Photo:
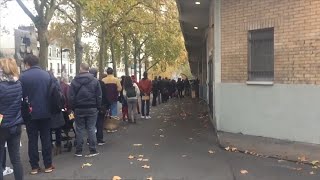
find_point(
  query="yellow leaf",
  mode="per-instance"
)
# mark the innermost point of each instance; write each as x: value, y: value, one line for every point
x: 149, y: 178
x: 145, y: 167
x: 302, y: 158
x: 141, y: 156
x: 314, y: 167
x: 227, y: 148
x: 211, y: 152
x: 116, y: 178
x: 233, y: 149
x: 140, y: 159
x: 131, y: 157
x: 86, y: 165
x: 136, y: 145
x: 244, y: 171
x: 314, y: 162
x: 145, y: 160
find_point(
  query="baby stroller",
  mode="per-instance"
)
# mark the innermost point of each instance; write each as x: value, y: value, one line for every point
x: 67, y: 129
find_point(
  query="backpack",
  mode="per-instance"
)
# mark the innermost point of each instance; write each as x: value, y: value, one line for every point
x: 131, y: 92
x: 55, y: 97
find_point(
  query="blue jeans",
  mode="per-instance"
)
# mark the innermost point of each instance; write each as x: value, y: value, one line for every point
x: 34, y: 128
x: 145, y: 107
x: 13, y: 143
x: 86, y: 122
x: 114, y: 108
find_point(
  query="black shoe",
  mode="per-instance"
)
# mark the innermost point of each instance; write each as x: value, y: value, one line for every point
x: 101, y: 143
x: 78, y: 153
x: 93, y: 153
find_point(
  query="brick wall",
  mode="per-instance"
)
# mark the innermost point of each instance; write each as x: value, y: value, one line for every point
x: 296, y: 38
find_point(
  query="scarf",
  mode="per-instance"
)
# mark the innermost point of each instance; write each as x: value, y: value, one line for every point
x: 7, y: 78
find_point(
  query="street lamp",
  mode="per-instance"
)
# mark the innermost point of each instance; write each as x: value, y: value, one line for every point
x: 61, y: 51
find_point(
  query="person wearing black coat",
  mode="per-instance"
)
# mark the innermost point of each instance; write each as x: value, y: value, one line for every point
x: 85, y: 98
x: 155, y: 91
x: 180, y: 87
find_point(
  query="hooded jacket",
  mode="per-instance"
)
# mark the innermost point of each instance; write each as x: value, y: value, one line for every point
x: 85, y: 92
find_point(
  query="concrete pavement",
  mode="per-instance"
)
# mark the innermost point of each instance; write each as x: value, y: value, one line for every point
x: 176, y: 142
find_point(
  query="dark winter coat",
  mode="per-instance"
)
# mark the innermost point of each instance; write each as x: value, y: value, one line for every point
x: 10, y: 103
x: 85, y: 92
x: 35, y: 83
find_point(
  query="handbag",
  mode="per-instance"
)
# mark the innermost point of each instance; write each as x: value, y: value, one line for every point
x: 145, y: 98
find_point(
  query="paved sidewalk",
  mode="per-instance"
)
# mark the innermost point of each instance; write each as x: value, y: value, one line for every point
x: 176, y: 142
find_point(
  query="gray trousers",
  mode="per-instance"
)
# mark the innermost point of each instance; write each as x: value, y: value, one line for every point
x: 85, y: 123
x: 132, y: 109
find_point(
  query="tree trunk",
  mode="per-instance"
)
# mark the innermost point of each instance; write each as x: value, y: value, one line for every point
x: 43, y: 40
x: 78, y: 35
x: 140, y: 68
x: 126, y: 55
x: 113, y: 57
x: 102, y: 47
x: 135, y: 58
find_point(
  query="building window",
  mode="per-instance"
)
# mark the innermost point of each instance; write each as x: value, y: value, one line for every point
x: 261, y: 55
x: 59, y: 68
x: 50, y: 52
x: 57, y: 50
x: 71, y: 71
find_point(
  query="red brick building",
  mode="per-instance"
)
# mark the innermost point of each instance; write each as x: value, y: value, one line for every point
x: 259, y: 64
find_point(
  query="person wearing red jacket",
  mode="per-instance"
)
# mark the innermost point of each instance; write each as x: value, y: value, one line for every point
x: 145, y: 86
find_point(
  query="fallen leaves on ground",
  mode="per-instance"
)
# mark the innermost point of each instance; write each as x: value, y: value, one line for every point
x: 161, y: 130
x: 211, y: 152
x: 145, y: 160
x: 131, y: 157
x: 86, y: 165
x: 145, y: 167
x: 141, y: 156
x: 244, y: 171
x: 315, y: 162
x: 136, y: 145
x: 116, y: 178
x: 312, y: 173
x: 184, y: 156
x: 315, y: 167
x: 149, y: 178
x: 280, y: 161
x: 162, y: 136
x: 112, y: 131
x: 190, y: 138
x: 156, y: 144
x: 302, y: 158
x: 139, y: 159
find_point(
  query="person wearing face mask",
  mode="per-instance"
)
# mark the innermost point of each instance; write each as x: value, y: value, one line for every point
x: 10, y: 115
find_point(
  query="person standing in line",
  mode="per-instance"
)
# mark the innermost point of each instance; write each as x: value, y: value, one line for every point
x: 180, y: 86
x: 10, y: 116
x: 187, y: 87
x: 155, y: 91
x: 85, y: 98
x: 134, y: 80
x: 160, y: 86
x: 131, y: 93
x: 123, y: 100
x: 102, y: 111
x: 145, y: 89
x: 113, y: 88
x: 35, y: 88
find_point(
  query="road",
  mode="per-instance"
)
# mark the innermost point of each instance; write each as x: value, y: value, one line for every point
x: 176, y: 142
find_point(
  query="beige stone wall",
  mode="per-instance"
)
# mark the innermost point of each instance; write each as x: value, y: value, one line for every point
x: 296, y: 38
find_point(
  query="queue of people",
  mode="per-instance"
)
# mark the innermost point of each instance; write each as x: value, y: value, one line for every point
x: 48, y: 106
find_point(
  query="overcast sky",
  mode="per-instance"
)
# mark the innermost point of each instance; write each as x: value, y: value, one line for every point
x: 12, y: 17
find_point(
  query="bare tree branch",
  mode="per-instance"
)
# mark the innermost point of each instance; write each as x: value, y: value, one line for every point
x: 67, y: 15
x: 26, y: 10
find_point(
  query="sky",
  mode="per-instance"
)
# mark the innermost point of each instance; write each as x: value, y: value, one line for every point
x: 11, y: 18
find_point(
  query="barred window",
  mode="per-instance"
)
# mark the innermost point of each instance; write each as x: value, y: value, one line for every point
x: 261, y: 55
